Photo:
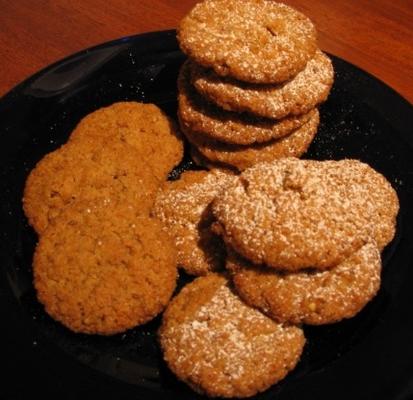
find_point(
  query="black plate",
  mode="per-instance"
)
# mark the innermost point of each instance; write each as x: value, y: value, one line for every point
x: 369, y: 356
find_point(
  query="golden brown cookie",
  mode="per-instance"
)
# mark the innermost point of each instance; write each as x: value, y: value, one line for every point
x: 297, y: 96
x: 258, y: 41
x: 245, y: 156
x: 197, y: 115
x: 154, y: 136
x: 310, y: 297
x: 219, y: 346
x: 104, y: 269
x: 292, y: 214
x: 201, y: 161
x: 83, y: 170
x: 184, y: 208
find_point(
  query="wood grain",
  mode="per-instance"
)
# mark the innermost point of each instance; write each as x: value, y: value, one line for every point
x: 376, y: 35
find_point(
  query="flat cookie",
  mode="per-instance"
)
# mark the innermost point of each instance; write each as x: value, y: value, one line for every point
x: 310, y: 297
x: 144, y: 126
x: 82, y: 170
x: 258, y: 41
x: 306, y: 90
x: 203, y: 162
x: 242, y: 157
x: 102, y: 270
x: 219, y: 346
x: 292, y: 214
x: 184, y: 208
x: 198, y: 115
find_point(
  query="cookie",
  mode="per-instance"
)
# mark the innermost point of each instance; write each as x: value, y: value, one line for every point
x: 219, y: 346
x: 306, y: 90
x: 104, y: 269
x: 154, y: 136
x: 293, y: 214
x: 197, y: 115
x: 258, y: 41
x: 242, y: 157
x: 184, y: 208
x: 310, y: 297
x: 203, y: 162
x: 84, y: 170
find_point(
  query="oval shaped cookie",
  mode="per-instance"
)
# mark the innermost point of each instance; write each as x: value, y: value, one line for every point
x: 197, y: 115
x: 220, y: 346
x: 306, y: 90
x: 293, y: 214
x: 258, y: 41
x: 184, y: 208
x: 83, y: 170
x: 242, y: 157
x: 103, y: 269
x: 310, y: 297
x: 146, y: 127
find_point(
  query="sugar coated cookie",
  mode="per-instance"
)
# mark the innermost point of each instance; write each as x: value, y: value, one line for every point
x: 292, y: 214
x: 258, y: 41
x: 310, y: 297
x: 220, y: 346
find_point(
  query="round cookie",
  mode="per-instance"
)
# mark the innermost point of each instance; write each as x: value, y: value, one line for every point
x: 81, y: 170
x: 293, y: 214
x: 197, y: 115
x: 303, y: 92
x: 154, y: 135
x: 257, y: 41
x: 184, y: 208
x: 103, y: 269
x: 219, y: 346
x: 242, y: 157
x: 310, y: 297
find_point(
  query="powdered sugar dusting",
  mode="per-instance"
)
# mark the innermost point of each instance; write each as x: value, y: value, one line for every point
x: 242, y: 157
x: 183, y: 207
x: 232, y: 344
x: 198, y: 115
x: 255, y: 40
x: 312, y: 297
x: 296, y: 96
x: 295, y: 213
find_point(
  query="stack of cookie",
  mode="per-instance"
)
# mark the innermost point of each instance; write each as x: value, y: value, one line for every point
x: 304, y: 237
x: 249, y: 91
x: 303, y: 241
x: 103, y: 264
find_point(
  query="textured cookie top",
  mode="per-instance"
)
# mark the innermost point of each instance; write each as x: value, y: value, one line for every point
x: 294, y: 214
x: 311, y: 297
x: 184, y: 208
x: 198, y: 115
x: 220, y: 346
x: 104, y: 269
x: 303, y: 92
x: 257, y: 41
x: 83, y: 170
x: 143, y: 126
x: 242, y: 157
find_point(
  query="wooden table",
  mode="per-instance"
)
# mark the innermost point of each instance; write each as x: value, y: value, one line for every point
x: 376, y: 35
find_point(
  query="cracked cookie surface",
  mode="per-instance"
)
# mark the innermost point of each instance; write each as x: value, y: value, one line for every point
x: 310, y: 297
x: 258, y: 41
x: 293, y: 214
x: 184, y: 208
x: 242, y: 157
x: 222, y: 347
x: 198, y: 115
x: 297, y: 96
